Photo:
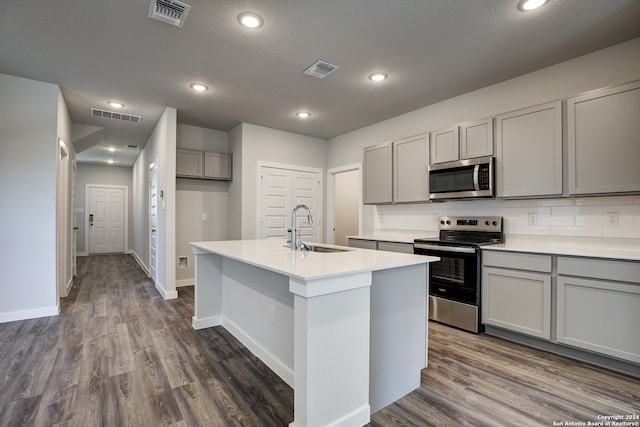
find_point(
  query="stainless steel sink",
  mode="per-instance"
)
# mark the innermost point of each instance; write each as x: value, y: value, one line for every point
x: 326, y: 249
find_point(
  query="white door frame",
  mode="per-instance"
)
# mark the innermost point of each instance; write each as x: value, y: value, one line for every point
x: 331, y: 191
x: 87, y: 208
x: 284, y: 166
x: 153, y: 266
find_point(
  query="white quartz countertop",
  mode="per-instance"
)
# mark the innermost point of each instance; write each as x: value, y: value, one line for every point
x: 621, y: 249
x: 271, y: 254
x: 396, y: 237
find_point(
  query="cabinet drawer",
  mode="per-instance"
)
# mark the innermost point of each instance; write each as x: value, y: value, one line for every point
x: 516, y: 260
x: 624, y: 271
x: 363, y: 244
x: 406, y: 248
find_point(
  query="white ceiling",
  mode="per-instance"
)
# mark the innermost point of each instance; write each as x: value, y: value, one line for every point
x: 432, y: 50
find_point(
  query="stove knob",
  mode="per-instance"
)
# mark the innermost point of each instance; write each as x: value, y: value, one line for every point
x: 448, y: 222
x: 487, y: 223
x: 495, y: 223
x: 442, y: 222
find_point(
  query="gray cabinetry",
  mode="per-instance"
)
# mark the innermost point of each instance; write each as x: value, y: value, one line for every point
x: 363, y: 243
x: 476, y: 139
x: 444, y: 145
x: 529, y: 152
x: 378, y: 164
x: 599, y: 306
x: 410, y: 161
x: 516, y: 292
x: 188, y: 163
x: 203, y: 165
x: 603, y: 134
x: 397, y: 171
x: 381, y: 245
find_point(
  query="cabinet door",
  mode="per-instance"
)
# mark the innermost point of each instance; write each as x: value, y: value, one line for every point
x: 603, y: 132
x: 405, y: 248
x: 377, y: 174
x: 518, y: 301
x: 600, y: 316
x: 188, y: 163
x: 217, y: 166
x: 363, y: 244
x: 410, y: 166
x: 476, y: 139
x: 444, y: 145
x: 529, y: 152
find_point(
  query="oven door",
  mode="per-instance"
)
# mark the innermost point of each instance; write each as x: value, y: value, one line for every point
x: 455, y: 276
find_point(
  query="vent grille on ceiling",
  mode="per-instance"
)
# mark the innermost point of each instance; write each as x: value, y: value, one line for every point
x: 320, y: 69
x: 96, y: 112
x: 133, y: 147
x: 170, y: 11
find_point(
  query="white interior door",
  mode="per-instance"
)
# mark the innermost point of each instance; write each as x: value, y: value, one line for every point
x: 74, y: 223
x: 153, y: 222
x: 280, y: 191
x: 106, y: 220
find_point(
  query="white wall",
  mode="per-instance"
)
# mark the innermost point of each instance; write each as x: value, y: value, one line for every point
x: 28, y: 140
x: 103, y: 175
x: 258, y: 143
x: 160, y: 148
x: 196, y: 196
x: 607, y: 67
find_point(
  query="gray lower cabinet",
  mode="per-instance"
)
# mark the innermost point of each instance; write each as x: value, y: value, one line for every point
x: 381, y: 245
x: 529, y: 152
x: 516, y: 292
x: 602, y: 132
x: 363, y: 243
x: 599, y: 306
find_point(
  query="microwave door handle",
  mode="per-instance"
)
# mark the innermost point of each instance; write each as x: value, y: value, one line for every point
x: 476, y: 176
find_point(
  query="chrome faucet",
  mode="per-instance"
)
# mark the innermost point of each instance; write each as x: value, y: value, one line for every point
x: 295, y: 242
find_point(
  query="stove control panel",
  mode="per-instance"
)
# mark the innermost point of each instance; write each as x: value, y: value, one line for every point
x: 472, y: 223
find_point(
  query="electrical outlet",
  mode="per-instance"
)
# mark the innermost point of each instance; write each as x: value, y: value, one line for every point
x: 533, y: 218
x: 204, y: 216
x: 273, y: 314
x: 612, y: 219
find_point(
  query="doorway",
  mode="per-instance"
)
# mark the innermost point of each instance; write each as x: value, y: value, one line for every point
x: 344, y: 203
x: 107, y: 221
x: 153, y: 222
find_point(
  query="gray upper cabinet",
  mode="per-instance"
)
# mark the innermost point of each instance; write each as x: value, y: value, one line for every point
x: 410, y: 161
x: 203, y: 165
x: 465, y: 141
x: 378, y: 166
x: 529, y: 152
x: 476, y: 139
x: 188, y: 163
x: 444, y: 145
x: 603, y: 141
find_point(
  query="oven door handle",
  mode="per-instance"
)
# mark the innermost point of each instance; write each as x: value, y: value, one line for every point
x: 460, y: 250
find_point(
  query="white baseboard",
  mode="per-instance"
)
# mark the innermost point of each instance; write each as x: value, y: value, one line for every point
x: 185, y: 282
x: 165, y: 293
x: 140, y: 263
x: 29, y: 314
x: 278, y: 366
x: 206, y: 322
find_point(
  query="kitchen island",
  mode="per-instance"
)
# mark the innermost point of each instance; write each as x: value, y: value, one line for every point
x: 347, y: 330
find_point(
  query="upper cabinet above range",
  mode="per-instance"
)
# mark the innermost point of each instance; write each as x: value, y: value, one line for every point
x: 603, y: 133
x: 465, y: 141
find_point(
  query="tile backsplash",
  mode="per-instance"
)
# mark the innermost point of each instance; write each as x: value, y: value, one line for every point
x: 612, y: 216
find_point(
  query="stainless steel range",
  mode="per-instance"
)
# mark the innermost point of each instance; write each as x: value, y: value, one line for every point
x: 454, y: 281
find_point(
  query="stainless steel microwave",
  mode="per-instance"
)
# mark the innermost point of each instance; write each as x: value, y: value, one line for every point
x: 462, y: 179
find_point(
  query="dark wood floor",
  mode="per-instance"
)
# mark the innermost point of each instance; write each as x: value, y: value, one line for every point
x: 118, y: 354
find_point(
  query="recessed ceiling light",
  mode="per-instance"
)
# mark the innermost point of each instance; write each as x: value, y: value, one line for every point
x: 111, y: 149
x: 527, y: 5
x: 250, y: 20
x: 199, y: 87
x: 116, y: 104
x: 378, y: 77
x: 303, y: 114
x: 110, y: 161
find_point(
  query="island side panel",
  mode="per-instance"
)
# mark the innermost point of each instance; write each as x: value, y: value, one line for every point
x: 331, y: 339
x: 208, y: 290
x: 258, y: 311
x: 398, y: 333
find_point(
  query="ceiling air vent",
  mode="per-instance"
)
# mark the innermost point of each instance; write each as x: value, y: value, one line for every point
x: 320, y: 69
x: 96, y: 112
x: 170, y: 11
x: 133, y: 147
